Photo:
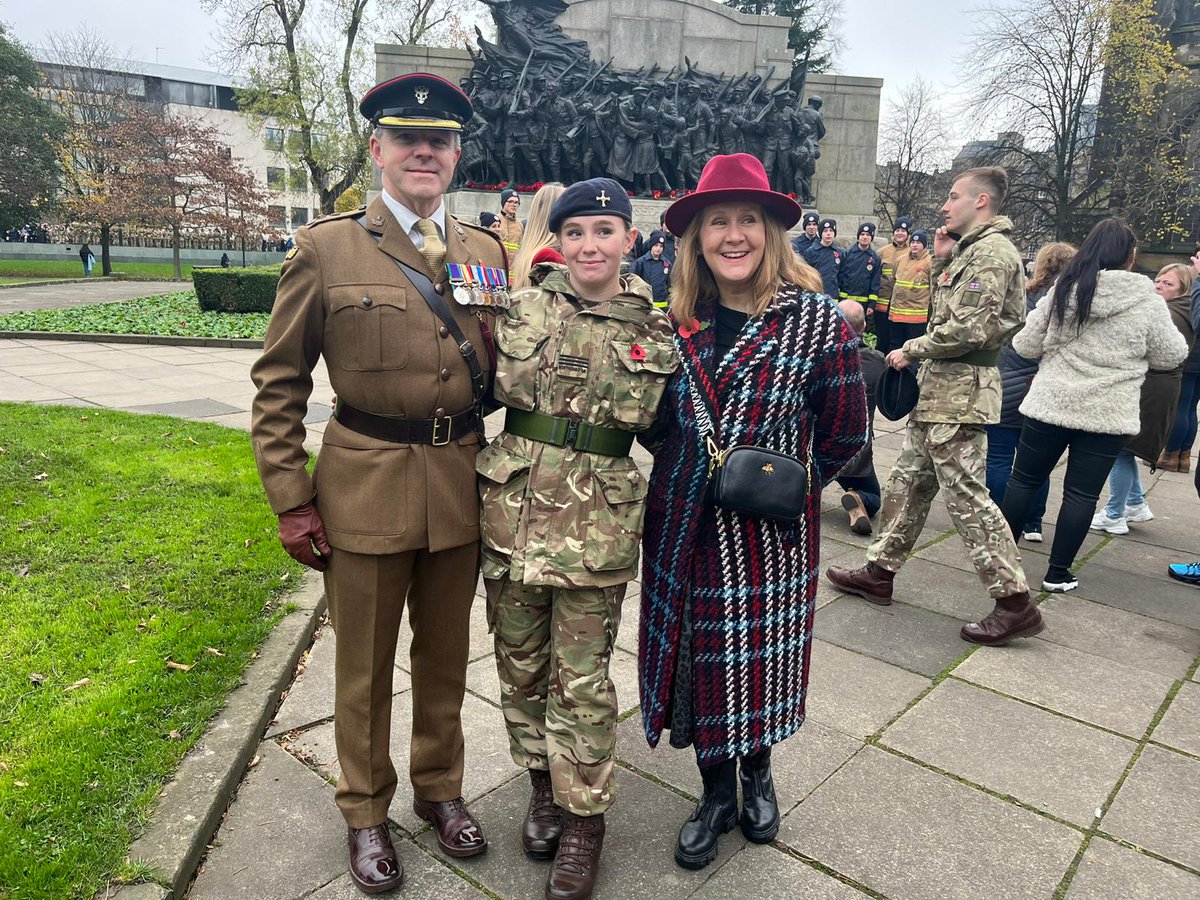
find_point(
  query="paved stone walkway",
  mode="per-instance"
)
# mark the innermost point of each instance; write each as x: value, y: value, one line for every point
x: 60, y: 296
x: 1067, y: 765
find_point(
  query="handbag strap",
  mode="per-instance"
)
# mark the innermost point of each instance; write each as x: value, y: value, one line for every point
x: 437, y: 305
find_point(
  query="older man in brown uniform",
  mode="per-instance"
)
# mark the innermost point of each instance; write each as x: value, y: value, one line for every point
x: 391, y: 507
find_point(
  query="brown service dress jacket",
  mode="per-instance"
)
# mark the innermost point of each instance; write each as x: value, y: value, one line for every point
x: 342, y: 296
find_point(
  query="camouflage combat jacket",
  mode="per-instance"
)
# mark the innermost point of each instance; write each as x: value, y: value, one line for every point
x: 978, y: 304
x: 556, y: 515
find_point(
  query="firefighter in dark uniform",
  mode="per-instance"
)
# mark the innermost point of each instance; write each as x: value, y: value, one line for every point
x: 812, y: 234
x: 826, y: 257
x: 858, y: 277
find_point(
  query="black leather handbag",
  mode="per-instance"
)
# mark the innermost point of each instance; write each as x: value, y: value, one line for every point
x: 759, y: 482
x: 753, y: 481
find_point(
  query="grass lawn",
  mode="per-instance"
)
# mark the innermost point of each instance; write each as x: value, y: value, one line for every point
x: 71, y: 267
x: 129, y: 543
x: 177, y: 313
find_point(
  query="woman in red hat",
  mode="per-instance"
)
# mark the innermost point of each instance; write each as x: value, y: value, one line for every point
x: 728, y: 597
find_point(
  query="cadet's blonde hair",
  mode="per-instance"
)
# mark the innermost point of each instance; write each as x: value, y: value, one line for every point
x: 537, y: 234
x: 692, y: 281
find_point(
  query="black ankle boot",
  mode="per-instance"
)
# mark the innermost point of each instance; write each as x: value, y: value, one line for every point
x: 760, y: 811
x: 715, y: 815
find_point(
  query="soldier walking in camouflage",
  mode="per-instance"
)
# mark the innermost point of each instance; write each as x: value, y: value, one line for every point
x: 978, y: 304
x: 582, y: 362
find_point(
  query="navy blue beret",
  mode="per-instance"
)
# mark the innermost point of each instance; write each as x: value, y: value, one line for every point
x: 811, y: 219
x: 594, y: 197
x: 903, y: 222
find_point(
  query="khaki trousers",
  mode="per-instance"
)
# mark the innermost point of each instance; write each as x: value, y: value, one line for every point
x: 367, y: 595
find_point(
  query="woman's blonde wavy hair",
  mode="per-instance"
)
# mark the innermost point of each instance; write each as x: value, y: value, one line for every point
x: 537, y: 234
x: 692, y: 281
x: 1186, y: 275
x: 1048, y: 265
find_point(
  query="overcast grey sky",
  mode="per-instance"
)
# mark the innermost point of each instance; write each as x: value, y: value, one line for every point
x: 885, y: 40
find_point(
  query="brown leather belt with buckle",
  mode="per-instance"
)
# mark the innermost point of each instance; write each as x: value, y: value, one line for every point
x: 438, y: 431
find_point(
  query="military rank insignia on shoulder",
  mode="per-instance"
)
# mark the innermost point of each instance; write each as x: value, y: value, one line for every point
x: 333, y: 217
x: 292, y: 252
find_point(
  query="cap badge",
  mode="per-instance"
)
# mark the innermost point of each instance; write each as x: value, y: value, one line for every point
x: 603, y: 199
x: 421, y: 93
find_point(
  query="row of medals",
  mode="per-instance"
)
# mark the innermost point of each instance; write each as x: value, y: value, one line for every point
x: 470, y: 288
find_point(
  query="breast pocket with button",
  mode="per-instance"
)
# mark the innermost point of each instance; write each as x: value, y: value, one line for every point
x: 634, y: 378
x: 366, y: 330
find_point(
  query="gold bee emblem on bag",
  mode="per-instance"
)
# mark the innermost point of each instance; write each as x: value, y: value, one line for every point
x: 769, y: 469
x: 422, y: 94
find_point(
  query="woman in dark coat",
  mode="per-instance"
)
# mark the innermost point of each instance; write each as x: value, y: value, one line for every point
x: 728, y: 599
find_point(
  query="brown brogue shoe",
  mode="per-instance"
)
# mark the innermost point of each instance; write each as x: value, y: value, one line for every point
x: 543, y: 823
x: 860, y: 522
x: 374, y: 866
x: 577, y: 863
x: 1014, y: 616
x: 458, y: 832
x: 871, y: 582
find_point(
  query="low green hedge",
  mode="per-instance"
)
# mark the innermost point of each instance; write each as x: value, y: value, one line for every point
x: 249, y: 289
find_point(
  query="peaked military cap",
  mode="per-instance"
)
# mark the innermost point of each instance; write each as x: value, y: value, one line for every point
x: 868, y: 228
x: 594, y: 197
x: 829, y: 223
x: 811, y: 219
x: 903, y: 222
x: 416, y: 101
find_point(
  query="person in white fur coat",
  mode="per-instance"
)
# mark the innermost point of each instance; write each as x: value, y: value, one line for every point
x: 1096, y: 333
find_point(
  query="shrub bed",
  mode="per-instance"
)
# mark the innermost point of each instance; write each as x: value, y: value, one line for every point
x: 235, y: 289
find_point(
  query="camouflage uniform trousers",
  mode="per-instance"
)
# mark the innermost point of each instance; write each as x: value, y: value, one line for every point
x: 954, y: 458
x: 553, y: 647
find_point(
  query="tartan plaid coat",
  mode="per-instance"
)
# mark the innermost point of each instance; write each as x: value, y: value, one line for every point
x: 792, y: 378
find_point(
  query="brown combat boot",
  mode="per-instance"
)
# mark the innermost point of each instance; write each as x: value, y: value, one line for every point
x: 577, y: 862
x: 873, y: 583
x: 1185, y: 462
x: 543, y: 822
x: 1168, y: 461
x: 1014, y: 616
x: 860, y: 522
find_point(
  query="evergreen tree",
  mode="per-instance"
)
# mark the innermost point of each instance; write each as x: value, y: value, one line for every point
x: 30, y: 167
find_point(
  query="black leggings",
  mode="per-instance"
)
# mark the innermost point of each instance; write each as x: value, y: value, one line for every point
x: 1089, y: 460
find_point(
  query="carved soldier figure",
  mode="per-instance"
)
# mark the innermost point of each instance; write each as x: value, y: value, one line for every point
x: 559, y: 116
x: 729, y: 132
x: 699, y: 138
x: 777, y: 150
x: 670, y: 135
x: 522, y: 137
x: 810, y: 128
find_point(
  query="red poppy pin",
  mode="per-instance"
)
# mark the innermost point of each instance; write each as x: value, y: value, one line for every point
x: 692, y: 327
x: 636, y: 353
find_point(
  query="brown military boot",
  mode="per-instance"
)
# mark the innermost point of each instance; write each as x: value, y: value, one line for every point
x: 374, y: 865
x: 1185, y: 462
x: 873, y: 583
x: 543, y: 822
x: 860, y: 522
x: 1168, y: 461
x: 577, y: 862
x: 1014, y: 616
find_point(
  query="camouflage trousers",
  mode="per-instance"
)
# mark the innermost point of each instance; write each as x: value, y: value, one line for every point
x: 953, y: 458
x: 553, y: 647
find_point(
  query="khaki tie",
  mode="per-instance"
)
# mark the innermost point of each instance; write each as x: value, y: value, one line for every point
x: 433, y: 249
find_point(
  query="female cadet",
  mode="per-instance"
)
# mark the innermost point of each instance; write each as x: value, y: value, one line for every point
x: 582, y: 362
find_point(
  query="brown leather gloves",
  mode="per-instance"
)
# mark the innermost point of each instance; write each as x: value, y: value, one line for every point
x: 300, y: 529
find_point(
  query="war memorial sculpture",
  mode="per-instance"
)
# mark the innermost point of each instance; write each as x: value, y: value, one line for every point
x: 545, y: 110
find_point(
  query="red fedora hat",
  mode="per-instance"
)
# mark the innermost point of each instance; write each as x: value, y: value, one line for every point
x: 725, y: 179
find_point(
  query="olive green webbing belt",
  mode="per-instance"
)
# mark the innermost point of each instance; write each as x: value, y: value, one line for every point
x: 563, y: 432
x: 977, y: 358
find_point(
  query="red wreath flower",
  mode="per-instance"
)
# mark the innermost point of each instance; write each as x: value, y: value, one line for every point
x: 657, y: 195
